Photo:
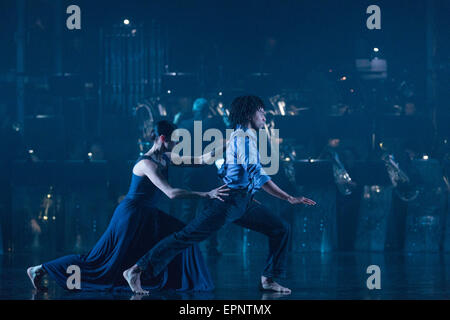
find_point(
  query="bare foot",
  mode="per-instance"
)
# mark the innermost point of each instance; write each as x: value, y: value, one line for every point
x: 268, y: 284
x: 136, y: 296
x: 133, y: 277
x: 274, y: 295
x: 36, y: 274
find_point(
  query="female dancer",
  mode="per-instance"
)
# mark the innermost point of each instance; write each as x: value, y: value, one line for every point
x: 136, y: 226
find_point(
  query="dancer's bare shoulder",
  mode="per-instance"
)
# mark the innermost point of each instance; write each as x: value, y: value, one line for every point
x: 143, y: 167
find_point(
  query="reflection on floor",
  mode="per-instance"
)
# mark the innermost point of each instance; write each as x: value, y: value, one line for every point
x: 310, y: 276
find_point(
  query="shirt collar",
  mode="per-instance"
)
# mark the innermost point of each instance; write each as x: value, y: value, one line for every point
x: 251, y: 133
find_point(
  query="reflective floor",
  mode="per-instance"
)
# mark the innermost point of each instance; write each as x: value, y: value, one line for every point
x: 310, y: 276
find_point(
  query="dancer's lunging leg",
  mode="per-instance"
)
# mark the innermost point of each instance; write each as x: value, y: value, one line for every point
x: 260, y: 219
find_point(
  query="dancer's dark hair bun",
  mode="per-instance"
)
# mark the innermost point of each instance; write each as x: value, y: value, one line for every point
x: 164, y: 128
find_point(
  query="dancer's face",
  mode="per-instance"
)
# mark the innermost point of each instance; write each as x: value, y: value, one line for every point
x: 168, y: 145
x: 259, y: 119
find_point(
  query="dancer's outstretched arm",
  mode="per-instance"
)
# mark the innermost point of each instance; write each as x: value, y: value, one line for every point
x: 150, y: 169
x: 246, y: 150
x: 204, y: 159
x: 271, y: 188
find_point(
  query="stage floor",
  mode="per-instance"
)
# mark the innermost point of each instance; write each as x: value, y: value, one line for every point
x: 310, y: 276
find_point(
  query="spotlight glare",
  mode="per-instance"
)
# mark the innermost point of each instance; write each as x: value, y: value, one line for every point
x: 376, y: 49
x: 126, y: 22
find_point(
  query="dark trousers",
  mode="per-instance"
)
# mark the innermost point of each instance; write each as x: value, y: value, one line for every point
x: 238, y: 208
x: 189, y: 209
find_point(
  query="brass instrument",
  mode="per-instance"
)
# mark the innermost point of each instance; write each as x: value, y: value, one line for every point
x: 342, y: 179
x: 222, y: 111
x: 287, y: 103
x: 146, y: 124
x: 400, y: 180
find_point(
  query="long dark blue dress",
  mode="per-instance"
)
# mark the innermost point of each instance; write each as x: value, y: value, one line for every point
x: 136, y: 226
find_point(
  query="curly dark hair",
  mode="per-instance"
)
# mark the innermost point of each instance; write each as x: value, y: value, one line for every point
x: 243, y: 108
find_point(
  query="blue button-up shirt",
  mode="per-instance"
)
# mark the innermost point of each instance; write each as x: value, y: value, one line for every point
x: 242, y: 168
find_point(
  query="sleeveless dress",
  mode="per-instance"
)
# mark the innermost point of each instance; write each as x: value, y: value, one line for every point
x: 136, y: 226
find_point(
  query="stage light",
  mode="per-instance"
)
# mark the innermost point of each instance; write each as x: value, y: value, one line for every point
x: 343, y: 78
x: 425, y: 157
x: 90, y: 155
x: 169, y: 92
x: 126, y: 22
x: 220, y: 93
x: 376, y: 49
x: 31, y: 151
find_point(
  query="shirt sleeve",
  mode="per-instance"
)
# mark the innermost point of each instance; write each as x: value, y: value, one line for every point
x: 248, y: 155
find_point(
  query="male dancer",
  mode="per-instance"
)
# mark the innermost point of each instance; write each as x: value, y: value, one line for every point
x: 244, y: 176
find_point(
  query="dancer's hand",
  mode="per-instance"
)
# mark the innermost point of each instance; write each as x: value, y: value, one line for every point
x: 218, y: 193
x: 298, y: 200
